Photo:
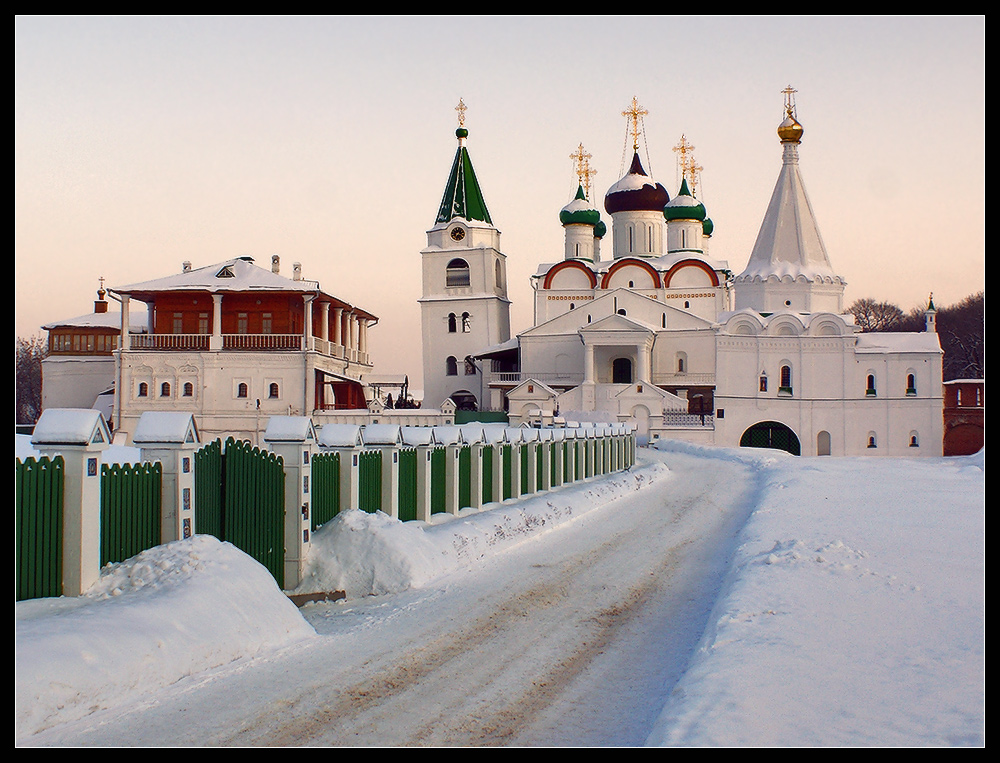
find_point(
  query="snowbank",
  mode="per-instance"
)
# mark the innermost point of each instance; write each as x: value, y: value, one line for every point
x: 372, y: 554
x: 853, y: 613
x: 172, y: 611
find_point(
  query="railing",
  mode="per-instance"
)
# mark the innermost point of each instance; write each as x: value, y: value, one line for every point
x: 661, y: 378
x: 688, y: 420
x: 262, y: 342
x: 516, y: 377
x: 196, y: 342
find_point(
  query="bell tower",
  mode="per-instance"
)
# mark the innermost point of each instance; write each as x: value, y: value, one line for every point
x: 464, y: 308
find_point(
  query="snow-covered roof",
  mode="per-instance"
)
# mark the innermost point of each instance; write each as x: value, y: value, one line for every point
x: 382, y: 434
x: 165, y: 427
x: 289, y: 429
x: 898, y: 341
x: 99, y: 320
x: 340, y: 436
x: 71, y: 426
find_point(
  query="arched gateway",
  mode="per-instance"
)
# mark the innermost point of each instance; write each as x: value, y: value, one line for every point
x: 771, y: 434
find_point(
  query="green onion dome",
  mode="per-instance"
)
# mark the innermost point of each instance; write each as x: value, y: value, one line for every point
x: 579, y: 211
x: 707, y: 226
x: 636, y: 192
x: 684, y: 206
x: 600, y: 230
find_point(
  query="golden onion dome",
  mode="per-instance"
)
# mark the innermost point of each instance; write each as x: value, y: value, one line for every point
x: 790, y: 131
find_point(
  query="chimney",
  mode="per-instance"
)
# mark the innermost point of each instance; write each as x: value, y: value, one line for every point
x: 274, y: 263
x: 296, y: 271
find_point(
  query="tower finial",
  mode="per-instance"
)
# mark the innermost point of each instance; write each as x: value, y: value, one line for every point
x: 790, y: 101
x: 635, y: 113
x: 461, y: 108
x: 584, y: 173
x: 689, y: 169
x: 790, y: 131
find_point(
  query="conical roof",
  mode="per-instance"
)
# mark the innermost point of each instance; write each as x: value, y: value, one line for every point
x: 462, y: 195
x: 636, y: 192
x: 789, y: 241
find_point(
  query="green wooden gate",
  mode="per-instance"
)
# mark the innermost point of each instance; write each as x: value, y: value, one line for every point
x: 131, y: 509
x: 325, y: 488
x: 38, y: 527
x: 240, y: 498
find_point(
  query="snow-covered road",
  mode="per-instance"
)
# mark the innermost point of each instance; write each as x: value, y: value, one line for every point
x: 574, y: 637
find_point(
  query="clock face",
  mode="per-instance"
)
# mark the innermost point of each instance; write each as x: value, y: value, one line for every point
x: 457, y: 234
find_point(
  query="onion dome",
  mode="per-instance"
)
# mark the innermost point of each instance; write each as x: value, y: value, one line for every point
x: 790, y: 131
x: 579, y: 211
x: 707, y: 227
x: 636, y: 192
x: 684, y: 206
x: 600, y: 230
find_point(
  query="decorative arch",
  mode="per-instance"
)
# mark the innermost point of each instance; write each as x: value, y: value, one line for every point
x: 567, y: 264
x: 668, y: 276
x: 771, y: 434
x: 631, y: 261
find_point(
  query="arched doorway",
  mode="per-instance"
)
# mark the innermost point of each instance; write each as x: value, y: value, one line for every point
x: 771, y: 434
x: 464, y: 401
x: 621, y: 371
x: 823, y: 443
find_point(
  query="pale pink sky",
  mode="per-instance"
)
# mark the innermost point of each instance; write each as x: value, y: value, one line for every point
x: 144, y: 142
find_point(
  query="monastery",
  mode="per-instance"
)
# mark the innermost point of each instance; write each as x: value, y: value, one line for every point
x: 662, y: 334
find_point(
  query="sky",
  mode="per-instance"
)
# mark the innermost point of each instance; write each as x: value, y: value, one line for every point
x: 809, y: 619
x: 144, y: 142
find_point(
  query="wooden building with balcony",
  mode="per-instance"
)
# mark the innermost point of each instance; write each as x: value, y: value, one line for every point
x: 235, y: 343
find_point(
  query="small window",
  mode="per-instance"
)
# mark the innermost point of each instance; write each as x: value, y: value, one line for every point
x: 466, y: 323
x: 272, y: 390
x: 870, y: 385
x: 203, y: 323
x: 911, y: 384
x: 914, y: 442
x: 498, y: 273
x: 178, y: 323
x: 470, y: 368
x: 451, y: 366
x: 452, y: 323
x: 165, y: 389
x: 871, y: 441
x: 242, y: 390
x: 762, y: 386
x: 265, y: 323
x: 242, y: 323
x: 188, y: 389
x: 786, y: 380
x: 143, y: 389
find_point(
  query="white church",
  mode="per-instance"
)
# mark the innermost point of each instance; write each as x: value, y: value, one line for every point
x: 664, y: 335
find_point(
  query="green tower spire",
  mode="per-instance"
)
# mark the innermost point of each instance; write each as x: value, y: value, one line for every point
x: 462, y: 195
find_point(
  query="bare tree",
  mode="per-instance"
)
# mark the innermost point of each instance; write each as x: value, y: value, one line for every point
x: 28, y: 354
x: 871, y: 315
x: 963, y: 337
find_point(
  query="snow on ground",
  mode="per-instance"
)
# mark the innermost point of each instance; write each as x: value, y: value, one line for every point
x: 853, y: 612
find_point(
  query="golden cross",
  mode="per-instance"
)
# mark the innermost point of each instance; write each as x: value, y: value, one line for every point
x: 789, y: 101
x: 461, y: 112
x: 635, y: 113
x: 581, y: 161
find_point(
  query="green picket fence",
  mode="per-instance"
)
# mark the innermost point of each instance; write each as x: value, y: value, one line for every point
x: 370, y: 481
x: 38, y: 527
x: 438, y: 480
x: 325, y: 488
x: 131, y: 503
x: 488, y: 451
x: 407, y: 484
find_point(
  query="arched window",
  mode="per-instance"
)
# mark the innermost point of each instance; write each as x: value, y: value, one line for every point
x: 451, y: 366
x: 786, y: 379
x: 452, y: 323
x: 457, y: 273
x: 470, y: 367
x: 870, y: 386
x: 466, y: 323
x: 681, y: 362
x: 621, y: 371
x: 188, y: 389
x: 621, y: 311
x: 914, y: 440
x: 165, y: 389
x: 498, y: 274
x: 143, y: 389
x: 272, y: 390
x: 911, y: 384
x: 871, y: 440
x: 242, y: 390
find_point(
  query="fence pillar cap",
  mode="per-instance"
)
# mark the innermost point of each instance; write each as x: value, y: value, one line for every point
x: 341, y: 436
x: 72, y: 426
x: 297, y: 429
x: 166, y: 428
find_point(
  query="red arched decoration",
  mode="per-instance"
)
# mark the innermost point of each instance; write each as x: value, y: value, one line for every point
x: 689, y: 263
x: 630, y: 261
x: 547, y: 283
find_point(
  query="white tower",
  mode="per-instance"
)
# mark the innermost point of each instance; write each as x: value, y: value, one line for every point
x: 789, y: 268
x: 464, y: 308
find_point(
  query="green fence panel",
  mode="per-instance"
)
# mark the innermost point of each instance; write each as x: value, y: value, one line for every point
x: 325, y: 488
x: 438, y: 480
x: 407, y: 484
x: 524, y: 469
x: 38, y: 527
x: 208, y: 490
x: 554, y: 480
x: 370, y: 481
x: 131, y: 503
x: 508, y: 469
x: 465, y: 476
x: 488, y: 473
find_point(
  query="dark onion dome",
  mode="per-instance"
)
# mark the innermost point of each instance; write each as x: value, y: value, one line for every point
x: 636, y: 192
x: 707, y: 226
x: 684, y: 206
x: 600, y: 230
x: 579, y: 211
x: 790, y: 131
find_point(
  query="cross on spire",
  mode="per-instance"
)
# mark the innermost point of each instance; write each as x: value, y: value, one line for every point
x: 584, y: 173
x: 635, y: 113
x: 461, y: 108
x: 789, y: 93
x: 686, y: 164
